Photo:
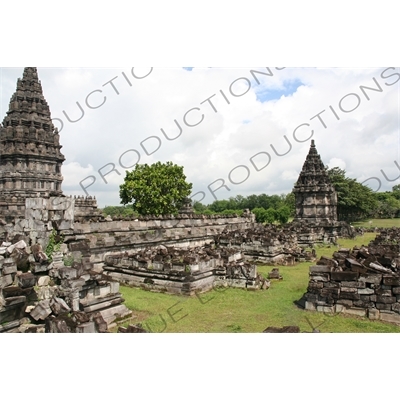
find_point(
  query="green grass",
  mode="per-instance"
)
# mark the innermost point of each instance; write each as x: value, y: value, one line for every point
x: 242, y: 311
x: 378, y: 223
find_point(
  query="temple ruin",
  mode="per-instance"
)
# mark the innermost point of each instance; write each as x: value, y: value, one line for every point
x: 316, y: 199
x: 73, y: 291
x: 316, y: 203
x: 31, y: 158
x: 76, y: 289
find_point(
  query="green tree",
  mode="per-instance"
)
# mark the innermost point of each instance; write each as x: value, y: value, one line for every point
x: 283, y: 214
x: 355, y: 201
x: 290, y: 201
x: 219, y: 205
x: 260, y: 214
x: 199, y: 208
x: 396, y: 192
x: 270, y: 216
x: 118, y: 211
x: 156, y: 189
x: 388, y: 205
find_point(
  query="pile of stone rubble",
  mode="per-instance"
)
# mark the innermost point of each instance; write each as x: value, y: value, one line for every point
x: 364, y: 281
x: 42, y: 295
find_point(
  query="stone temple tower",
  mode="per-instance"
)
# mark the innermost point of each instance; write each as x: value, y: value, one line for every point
x: 30, y: 156
x: 316, y: 199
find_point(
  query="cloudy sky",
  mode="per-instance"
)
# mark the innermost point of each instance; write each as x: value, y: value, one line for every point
x: 236, y: 131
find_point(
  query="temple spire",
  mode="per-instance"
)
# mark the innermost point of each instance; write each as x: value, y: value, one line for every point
x: 30, y: 156
x: 316, y: 199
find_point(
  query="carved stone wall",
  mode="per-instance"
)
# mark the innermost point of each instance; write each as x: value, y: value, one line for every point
x: 30, y: 156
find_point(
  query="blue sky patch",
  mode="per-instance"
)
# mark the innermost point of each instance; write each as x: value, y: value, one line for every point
x: 266, y: 94
x: 188, y: 68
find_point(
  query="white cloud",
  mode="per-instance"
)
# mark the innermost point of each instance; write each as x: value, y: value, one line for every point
x: 337, y: 162
x: 232, y: 129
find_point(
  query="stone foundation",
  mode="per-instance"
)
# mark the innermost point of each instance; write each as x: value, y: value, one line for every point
x: 182, y: 271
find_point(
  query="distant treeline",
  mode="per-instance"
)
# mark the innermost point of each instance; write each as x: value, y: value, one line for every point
x: 267, y: 208
x: 355, y: 202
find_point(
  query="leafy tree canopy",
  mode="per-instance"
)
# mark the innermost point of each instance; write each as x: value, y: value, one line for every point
x: 355, y: 201
x: 157, y: 189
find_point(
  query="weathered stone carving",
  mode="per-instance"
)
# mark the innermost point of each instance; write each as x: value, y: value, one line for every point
x: 30, y: 152
x: 316, y: 199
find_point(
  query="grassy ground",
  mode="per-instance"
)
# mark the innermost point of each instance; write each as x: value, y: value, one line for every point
x: 237, y: 310
x: 378, y: 223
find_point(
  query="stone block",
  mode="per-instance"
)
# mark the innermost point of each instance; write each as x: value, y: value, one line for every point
x: 41, y: 311
x: 114, y: 287
x: 9, y: 269
x: 330, y: 292
x: 67, y: 273
x: 382, y: 306
x: 348, y: 290
x: 37, y: 203
x: 396, y: 307
x: 100, y: 323
x: 340, y: 308
x: 12, y: 301
x: 332, y: 284
x: 386, y: 300
x: 345, y: 302
x: 65, y: 225
x: 311, y: 297
x: 365, y: 298
x: 59, y: 306
x: 396, y: 290
x: 383, y: 292
x: 372, y: 278
x: 373, y: 314
x: 57, y: 325
x: 353, y: 284
x: 366, y: 291
x: 38, y: 268
x: 359, y: 312
x: 76, y: 283
x: 391, y: 280
x: 100, y: 304
x: 349, y: 296
x: 317, y: 269
x: 310, y: 306
x: 320, y: 278
x: 313, y: 287
x: 26, y: 280
x: 5, y: 281
x: 88, y: 327
x: 344, y: 276
x: 390, y: 317
x: 327, y: 261
x: 45, y: 292
x: 43, y: 281
x: 111, y: 314
x: 326, y: 309
x: 5, y: 327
